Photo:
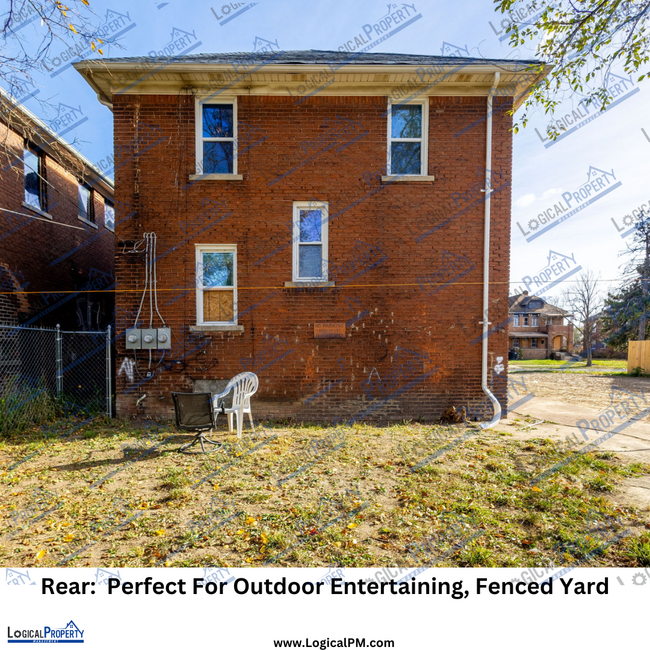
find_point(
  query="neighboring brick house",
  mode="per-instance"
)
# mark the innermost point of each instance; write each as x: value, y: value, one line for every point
x: 538, y: 328
x: 320, y: 221
x: 56, y: 228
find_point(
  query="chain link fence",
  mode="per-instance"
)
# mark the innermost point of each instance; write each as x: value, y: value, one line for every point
x: 45, y: 372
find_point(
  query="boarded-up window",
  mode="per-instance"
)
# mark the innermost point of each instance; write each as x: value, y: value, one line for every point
x: 216, y: 281
x: 217, y: 306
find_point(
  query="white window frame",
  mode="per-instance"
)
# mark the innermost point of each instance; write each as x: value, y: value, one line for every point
x: 516, y: 320
x: 214, y: 248
x: 526, y: 317
x: 424, y: 140
x: 534, y: 320
x: 310, y: 205
x: 112, y: 205
x: 200, y: 139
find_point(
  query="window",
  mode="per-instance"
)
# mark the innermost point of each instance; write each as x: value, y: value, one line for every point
x: 533, y: 343
x: 216, y: 283
x: 109, y: 215
x: 34, y: 179
x: 516, y: 320
x: 310, y: 241
x: 407, y: 138
x: 86, y: 203
x: 525, y: 320
x: 215, y: 137
x: 534, y: 320
x: 515, y: 343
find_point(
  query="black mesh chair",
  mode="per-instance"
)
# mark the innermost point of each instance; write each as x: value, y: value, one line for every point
x: 194, y: 412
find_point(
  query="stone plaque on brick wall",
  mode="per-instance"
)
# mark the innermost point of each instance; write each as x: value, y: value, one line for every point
x: 329, y: 330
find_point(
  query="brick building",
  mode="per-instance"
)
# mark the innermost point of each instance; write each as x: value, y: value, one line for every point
x: 56, y: 228
x: 320, y: 220
x: 538, y: 328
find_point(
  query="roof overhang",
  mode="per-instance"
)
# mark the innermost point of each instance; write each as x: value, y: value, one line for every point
x: 401, y: 82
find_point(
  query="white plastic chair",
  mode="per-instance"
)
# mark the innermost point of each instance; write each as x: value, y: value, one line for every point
x: 243, y: 386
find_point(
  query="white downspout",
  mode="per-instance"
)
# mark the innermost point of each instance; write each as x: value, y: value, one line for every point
x: 486, y: 262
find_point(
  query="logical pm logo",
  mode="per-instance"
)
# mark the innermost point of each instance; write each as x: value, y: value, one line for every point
x: 520, y: 16
x: 558, y: 268
x: 67, y: 118
x: 627, y: 225
x: 454, y: 50
x: 262, y: 45
x: 599, y: 183
x: 68, y: 634
x: 231, y: 10
x: 15, y: 578
x: 618, y: 89
x: 114, y: 26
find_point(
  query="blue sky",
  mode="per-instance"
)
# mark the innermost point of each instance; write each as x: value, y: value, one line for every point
x: 613, y: 142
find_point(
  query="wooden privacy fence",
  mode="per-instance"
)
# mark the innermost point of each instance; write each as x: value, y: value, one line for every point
x: 638, y: 356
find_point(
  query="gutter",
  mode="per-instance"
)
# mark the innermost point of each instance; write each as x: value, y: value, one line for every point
x: 486, y: 262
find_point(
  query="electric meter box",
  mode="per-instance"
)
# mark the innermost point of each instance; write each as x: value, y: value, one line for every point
x: 149, y: 339
x: 164, y: 338
x: 133, y: 340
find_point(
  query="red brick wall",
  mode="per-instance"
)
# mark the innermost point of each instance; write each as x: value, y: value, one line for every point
x: 401, y: 315
x: 30, y: 247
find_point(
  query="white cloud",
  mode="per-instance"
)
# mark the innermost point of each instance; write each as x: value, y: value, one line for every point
x: 525, y: 200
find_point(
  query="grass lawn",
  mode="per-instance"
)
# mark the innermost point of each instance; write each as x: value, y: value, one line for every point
x: 370, y: 498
